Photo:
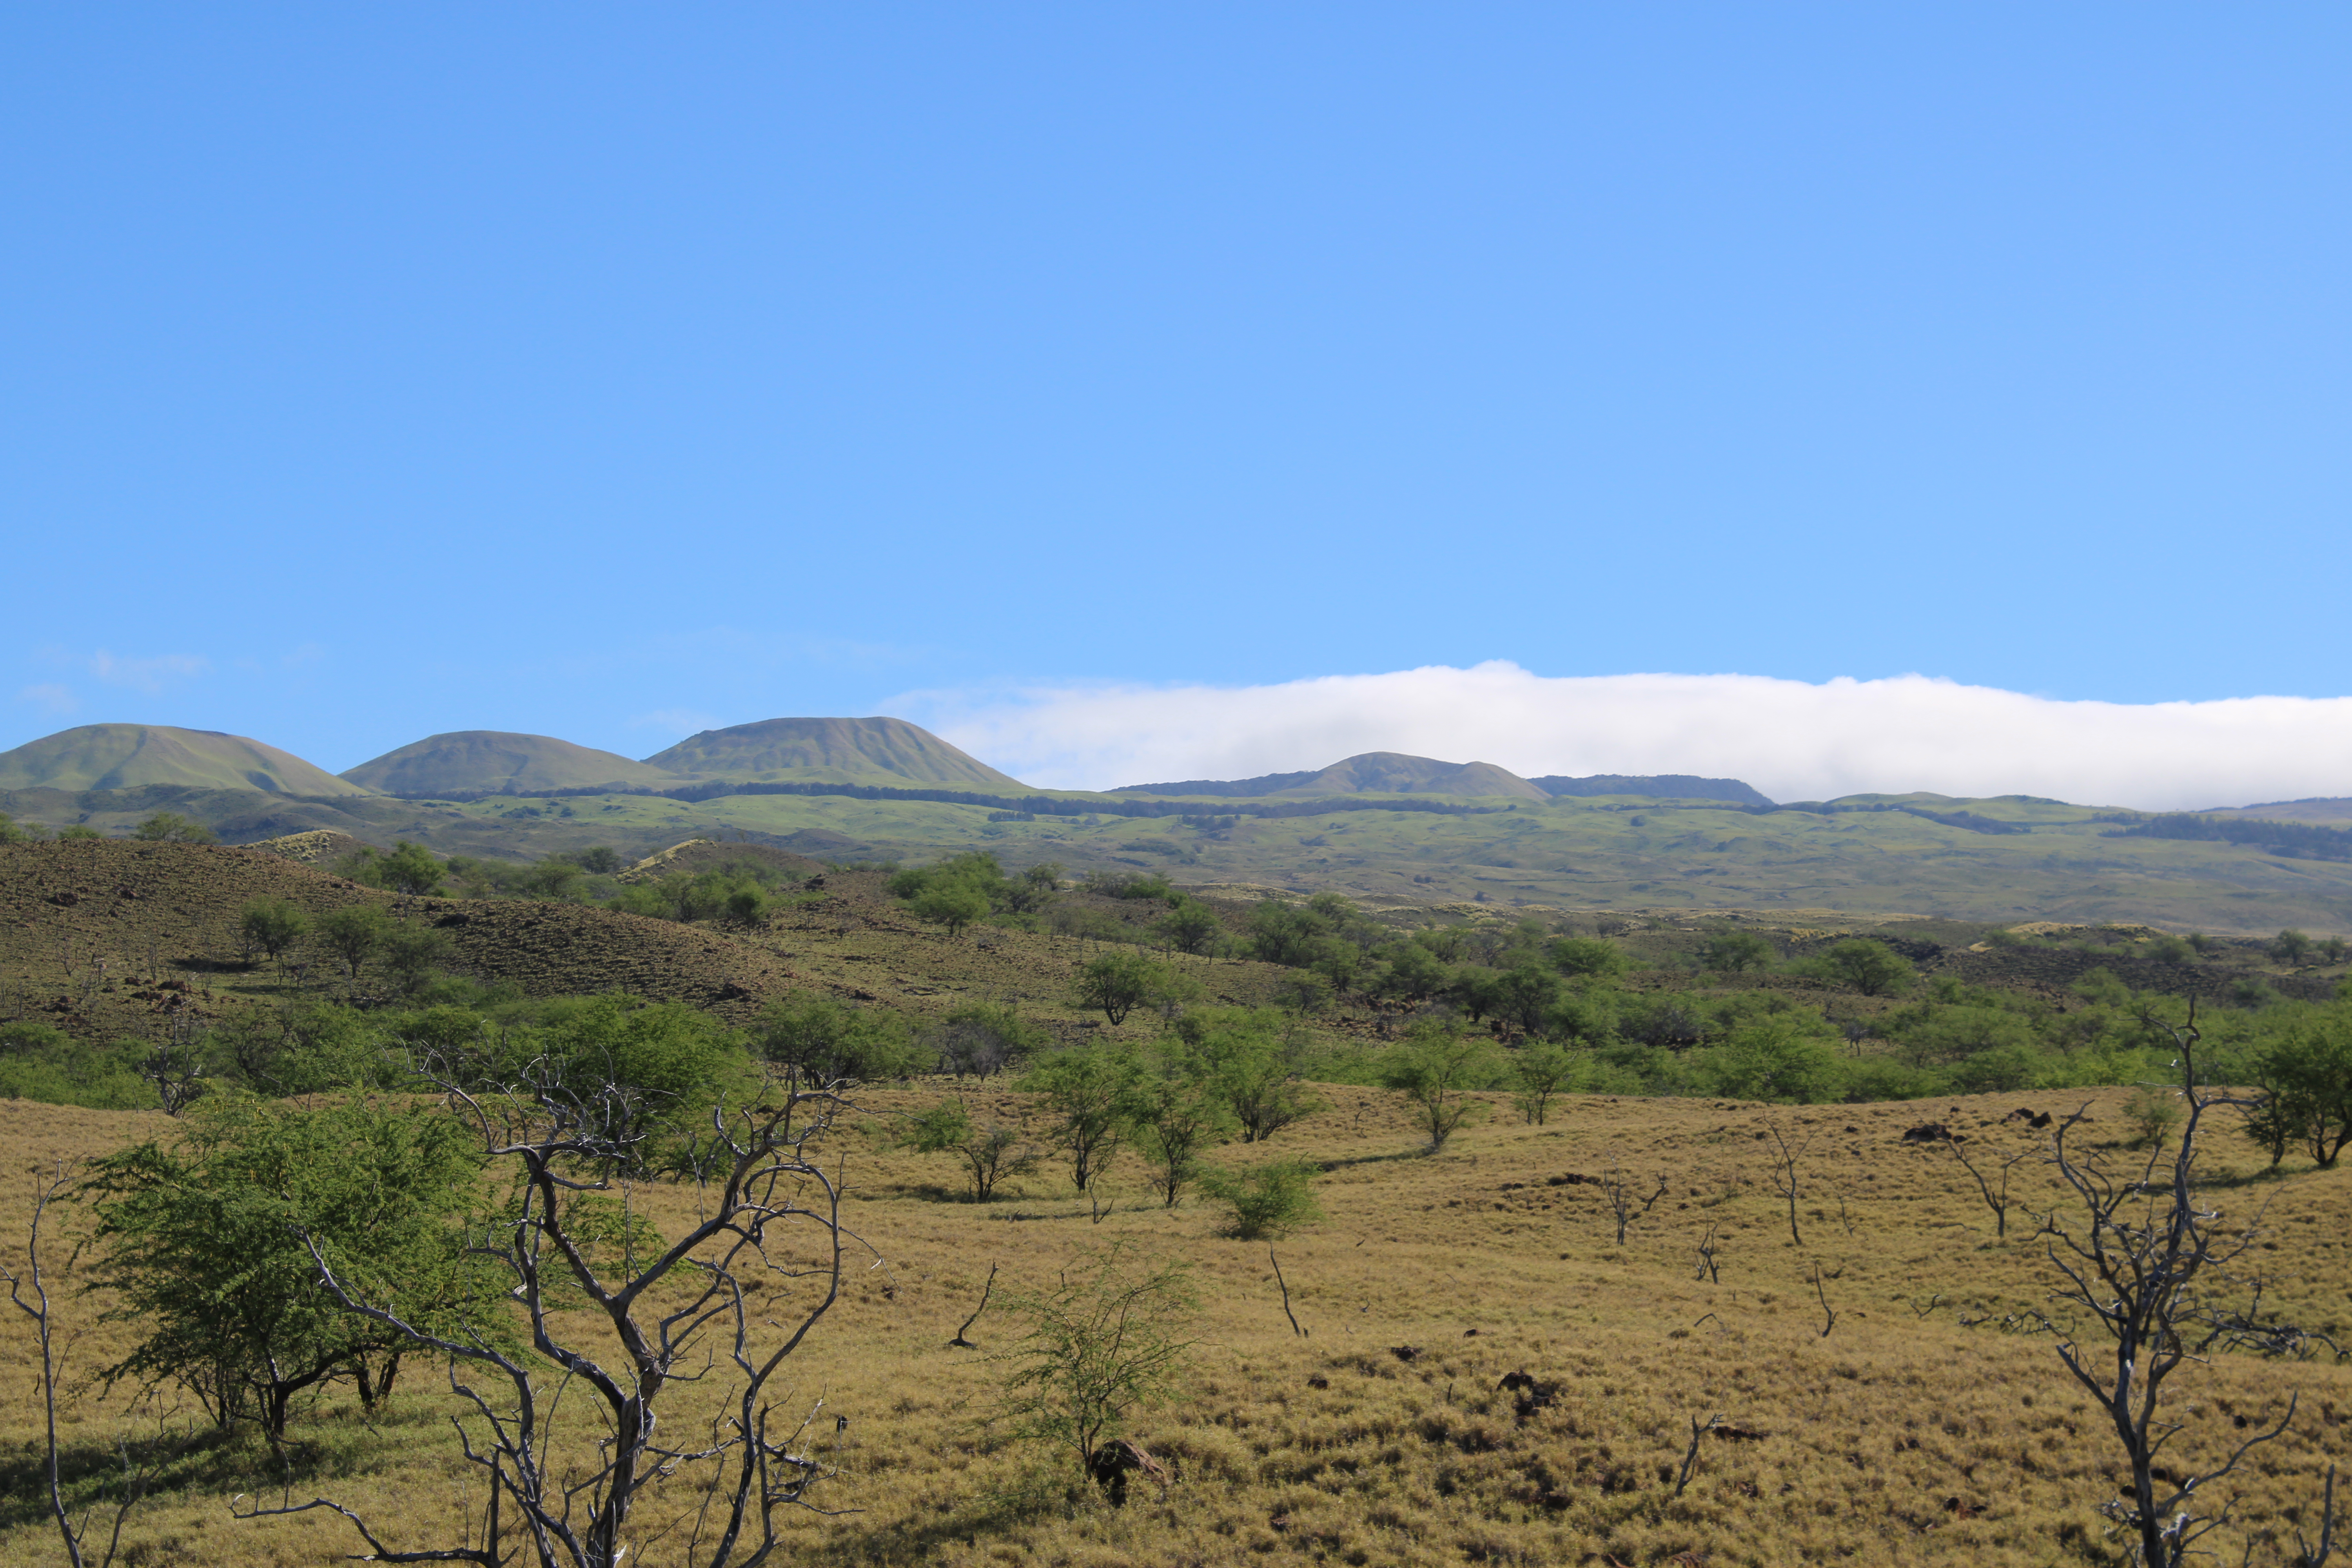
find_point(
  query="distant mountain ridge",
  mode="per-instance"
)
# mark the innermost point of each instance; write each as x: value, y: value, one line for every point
x: 497, y: 762
x: 833, y: 750
x: 2326, y: 809
x: 132, y: 756
x: 1393, y: 773
x: 1369, y: 773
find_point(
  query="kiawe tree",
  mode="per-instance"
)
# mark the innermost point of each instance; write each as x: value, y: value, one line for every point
x: 204, y: 1243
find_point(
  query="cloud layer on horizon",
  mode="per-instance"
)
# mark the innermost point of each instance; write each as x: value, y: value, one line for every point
x: 1792, y: 740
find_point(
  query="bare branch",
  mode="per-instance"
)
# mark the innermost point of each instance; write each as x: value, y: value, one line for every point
x: 1285, y: 1293
x: 1690, y: 1459
x: 985, y: 1291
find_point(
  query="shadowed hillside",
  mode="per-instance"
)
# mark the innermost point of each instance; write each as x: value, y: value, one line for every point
x: 128, y: 756
x: 829, y: 749
x: 494, y: 762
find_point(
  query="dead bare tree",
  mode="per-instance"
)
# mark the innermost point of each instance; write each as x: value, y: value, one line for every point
x: 1996, y: 1197
x: 1784, y: 1175
x: 2315, y: 1553
x: 29, y: 1292
x: 177, y: 1066
x: 2148, y: 1262
x: 1707, y: 1269
x: 1690, y: 1459
x: 768, y: 1254
x: 1622, y: 1199
x: 1829, y: 1316
x: 985, y: 1292
x: 1285, y: 1285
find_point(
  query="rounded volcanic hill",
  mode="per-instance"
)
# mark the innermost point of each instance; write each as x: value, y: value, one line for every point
x: 831, y: 750
x: 497, y: 762
x: 131, y: 756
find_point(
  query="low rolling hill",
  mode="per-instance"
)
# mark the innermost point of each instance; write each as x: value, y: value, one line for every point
x: 494, y: 762
x: 127, y: 756
x: 88, y: 929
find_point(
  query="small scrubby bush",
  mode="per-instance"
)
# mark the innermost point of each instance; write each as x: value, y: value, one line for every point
x: 1271, y: 1200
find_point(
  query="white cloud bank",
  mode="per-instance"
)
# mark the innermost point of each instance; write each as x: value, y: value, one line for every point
x: 1789, y: 739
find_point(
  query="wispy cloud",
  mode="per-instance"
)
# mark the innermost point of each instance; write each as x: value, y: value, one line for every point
x: 147, y: 675
x: 1791, y: 739
x: 49, y: 699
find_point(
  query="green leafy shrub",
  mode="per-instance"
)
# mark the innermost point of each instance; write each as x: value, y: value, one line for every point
x: 1104, y: 1341
x: 1270, y: 1200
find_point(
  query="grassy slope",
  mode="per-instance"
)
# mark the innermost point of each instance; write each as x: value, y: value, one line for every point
x: 1870, y: 1432
x: 1581, y: 855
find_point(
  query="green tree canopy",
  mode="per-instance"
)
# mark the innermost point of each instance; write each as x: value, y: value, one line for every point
x: 989, y: 1154
x: 208, y: 1244
x: 272, y: 924
x: 354, y: 934
x: 1592, y: 956
x: 171, y: 827
x: 1285, y: 933
x: 2306, y: 1073
x: 829, y: 1040
x: 1190, y: 925
x: 1437, y: 1069
x: 1117, y: 984
x: 1092, y: 1090
x: 410, y: 868
x: 1249, y: 1059
x: 1734, y: 951
x: 1773, y: 1058
x: 1871, y: 967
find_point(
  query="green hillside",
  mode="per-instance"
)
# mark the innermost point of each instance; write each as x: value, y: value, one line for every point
x: 2000, y: 860
x: 494, y: 762
x: 829, y: 750
x: 129, y: 756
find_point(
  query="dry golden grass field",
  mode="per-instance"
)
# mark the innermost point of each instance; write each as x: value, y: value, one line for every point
x: 1382, y: 1437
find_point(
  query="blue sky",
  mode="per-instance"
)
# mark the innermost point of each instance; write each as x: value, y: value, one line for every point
x: 609, y: 372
